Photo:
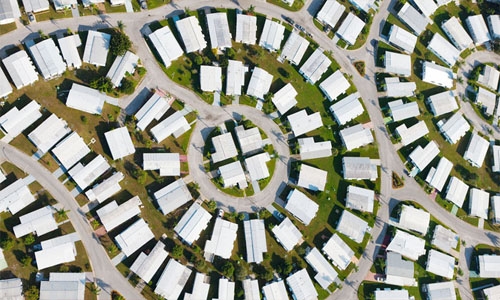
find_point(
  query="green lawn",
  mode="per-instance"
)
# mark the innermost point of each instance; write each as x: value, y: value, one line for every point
x: 296, y: 6
x: 7, y: 28
x: 53, y: 14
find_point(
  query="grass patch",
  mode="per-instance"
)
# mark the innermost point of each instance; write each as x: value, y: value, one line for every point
x: 53, y: 14
x: 296, y: 6
x: 4, y: 28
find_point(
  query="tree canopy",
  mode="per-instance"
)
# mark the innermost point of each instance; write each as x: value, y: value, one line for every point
x: 119, y: 44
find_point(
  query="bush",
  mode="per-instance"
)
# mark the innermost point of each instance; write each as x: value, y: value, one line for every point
x: 178, y: 251
x: 227, y: 269
x: 26, y: 261
x: 84, y: 119
x: 141, y: 71
x: 29, y: 239
x: 119, y: 44
x: 127, y: 86
x: 102, y: 84
x: 240, y: 272
x: 7, y: 243
x: 32, y: 293
x: 212, y: 205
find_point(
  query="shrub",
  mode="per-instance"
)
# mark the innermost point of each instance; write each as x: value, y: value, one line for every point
x: 127, y: 86
x: 228, y: 269
x: 26, y: 261
x: 32, y: 293
x: 102, y: 84
x: 178, y: 251
x: 29, y: 239
x: 119, y: 44
x: 141, y: 71
x: 84, y: 119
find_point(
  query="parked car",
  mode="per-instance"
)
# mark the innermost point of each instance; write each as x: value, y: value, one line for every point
x: 144, y: 4
x: 31, y: 17
x: 289, y: 20
x: 220, y: 213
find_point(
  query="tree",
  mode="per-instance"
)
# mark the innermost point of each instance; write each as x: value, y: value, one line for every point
x: 230, y: 53
x: 102, y: 84
x: 268, y: 97
x: 112, y: 249
x: 26, y: 260
x: 95, y: 224
x: 29, y: 239
x: 32, y: 293
x: 119, y: 44
x: 240, y: 272
x: 178, y: 251
x: 212, y: 205
x: 241, y: 216
x: 120, y: 25
x: 228, y: 269
x: 62, y: 214
x: 127, y: 86
x: 198, y: 60
x: 7, y: 243
x: 287, y: 267
x: 94, y: 289
x: 251, y: 9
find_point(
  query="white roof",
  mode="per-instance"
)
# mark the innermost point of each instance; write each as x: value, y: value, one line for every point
x: 119, y: 142
x: 347, y: 109
x: 427, y: 7
x: 437, y: 176
x: 315, y: 66
x: 456, y: 191
x: 294, y: 49
x: 438, y: 75
x: 422, y: 157
x: 257, y: 166
x: 251, y: 288
x: 352, y: 226
x: 396, y: 88
x: 48, y: 59
x: 444, y: 49
x: 134, y: 237
x: 444, y: 239
x: 60, y: 240
x: 338, y: 252
x: 255, y: 240
x: 402, y: 111
x: 284, y: 99
x: 275, y: 290
x: 233, y: 174
x: 359, y: 168
x: 301, y: 285
x: 364, y: 5
x: 21, y: 69
x: 476, y: 150
x: 63, y: 286
x: 312, y: 178
x: 335, y: 85
x: 85, y: 99
x: 172, y: 196
x: 222, y: 240
x: 454, y: 128
x: 39, y: 222
x: 399, y: 271
x: 146, y: 265
x: 496, y: 158
x: 489, y: 266
x: 69, y: 51
x: 246, y: 29
x: 96, y: 48
x: 192, y: 36
x: 11, y: 289
x: 15, y: 197
x: 492, y: 293
x: 112, y: 214
x: 495, y: 208
x: 398, y: 63
x: 309, y: 149
x: 175, y: 125
x: 287, y: 234
x: 388, y: 294
x: 326, y: 274
x: 489, y: 77
x: 272, y: 35
x: 441, y: 291
x: 407, y: 245
x: 235, y: 78
x: 218, y: 28
x: 56, y: 255
x: 478, y: 30
x: 351, y: 28
x: 415, y: 132
x: 70, y: 150
x: 260, y: 83
x: 166, y: 45
x: 210, y: 78
x: 249, y: 139
x: 173, y: 279
x: 9, y: 11
x: 153, y: 109
x: 360, y: 198
x: 442, y: 103
x: 402, y: 39
x: 330, y: 13
x: 457, y: 34
x: 479, y: 202
x: 301, y: 207
x: 356, y: 136
x: 494, y: 25
x: 121, y: 66
x: 168, y: 164
x: 192, y: 223
x: 413, y: 19
x: 47, y: 134
x: 105, y: 189
x: 303, y: 123
x: 5, y: 87
x: 226, y: 289
x: 414, y: 219
x: 487, y: 100
x: 85, y: 175
x: 224, y: 147
x: 200, y: 288
x: 17, y: 120
x: 440, y: 264
x: 61, y: 4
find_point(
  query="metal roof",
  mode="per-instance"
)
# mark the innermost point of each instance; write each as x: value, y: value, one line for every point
x: 69, y: 51
x: 335, y: 85
x: 85, y: 99
x: 303, y: 123
x: 352, y: 226
x: 287, y: 234
x: 192, y: 223
x: 456, y: 191
x: 407, y: 245
x: 414, y: 219
x: 325, y: 273
x: 260, y: 83
x: 121, y: 66
x: 134, y: 237
x: 301, y: 207
x: 403, y: 39
x: 224, y: 147
x: 356, y: 136
x: 422, y: 157
x: 222, y: 240
x: 444, y: 49
x: 476, y: 150
x: 218, y: 29
x: 173, y: 279
x: 442, y: 103
x: 246, y: 29
x: 172, y: 196
x: 454, y: 128
x: 112, y: 215
x: 248, y: 139
x: 235, y: 78
x: 301, y: 285
x: 168, y: 164
x: 47, y: 134
x: 309, y: 149
x: 457, y: 34
x: 284, y: 99
x: 398, y: 63
x: 312, y: 178
x: 175, y: 125
x: 210, y: 78
x: 20, y: 68
x: 410, y: 134
x: 15, y: 121
x: 106, y: 189
x: 146, y: 265
x: 166, y: 45
x: 315, y: 66
x: 330, y: 13
x: 96, y: 48
x: 85, y: 175
x: 294, y: 49
x: 48, y: 59
x: 153, y: 109
x: 350, y: 29
x: 257, y: 166
x: 338, y: 252
x: 119, y: 142
x: 233, y: 174
x: 255, y: 240
x: 192, y: 36
x: 271, y: 35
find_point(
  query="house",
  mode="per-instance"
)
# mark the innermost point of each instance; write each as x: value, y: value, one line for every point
x: 172, y: 280
x: 437, y: 75
x: 246, y: 29
x: 284, y: 99
x: 224, y: 147
x: 414, y: 219
x: 312, y: 178
x: 257, y: 166
x: 440, y: 290
x: 330, y: 13
x: 275, y: 290
x: 444, y: 239
x: 364, y: 5
x: 489, y: 77
x: 325, y: 273
x: 9, y: 11
x: 454, y: 128
x: 168, y: 164
x: 457, y: 34
x: 222, y: 241
x: 427, y: 7
x: 334, y: 86
x: 190, y: 30
x: 47, y: 59
x: 201, y: 287
x: 437, y: 177
x: 407, y: 245
x: 352, y: 226
x: 413, y: 19
x: 85, y: 99
x: 11, y: 289
x: 402, y: 39
x: 398, y: 64
x: 176, y: 125
x: 476, y: 150
x: 15, y: 197
x: 134, y: 237
x: 422, y: 157
x: 350, y: 29
x: 226, y: 289
x: 260, y: 83
x: 172, y: 196
x: 399, y: 271
x: 309, y: 149
x: 396, y: 88
x: 401, y: 111
x: 303, y: 123
x: 294, y: 49
x: 359, y: 168
x: 235, y: 78
x: 119, y: 143
x: 487, y: 100
x: 301, y: 286
x: 456, y: 191
x: 112, y: 215
x: 360, y: 198
x: 166, y: 45
x: 495, y: 209
x: 477, y: 29
x: 489, y: 266
x: 39, y: 222
x: 146, y: 265
x: 289, y: 2
x: 96, y: 48
x: 255, y: 240
x: 249, y: 140
x: 301, y: 207
x: 117, y: 2
x: 271, y: 35
x: 83, y: 176
x: 388, y: 294
x: 444, y: 50
x: 69, y: 51
x: 315, y: 66
x: 415, y: 132
x: 479, y: 202
x: 56, y: 251
x: 15, y: 121
x: 210, y: 78
x: 218, y: 29
x: 87, y: 3
x: 70, y: 286
x: 5, y: 87
x: 70, y: 150
x: 440, y: 264
x: 347, y: 109
x: 287, y: 234
x: 123, y: 65
x: 20, y: 68
x: 494, y: 25
x: 192, y: 223
x: 495, y: 149
x: 442, y: 103
x: 105, y: 189
x: 492, y: 293
x: 251, y: 288
x: 356, y: 136
x: 338, y: 252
